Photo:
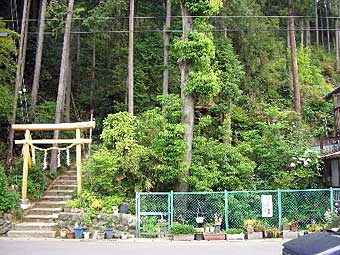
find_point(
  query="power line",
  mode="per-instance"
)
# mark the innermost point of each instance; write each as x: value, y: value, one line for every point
x: 180, y: 31
x: 162, y: 17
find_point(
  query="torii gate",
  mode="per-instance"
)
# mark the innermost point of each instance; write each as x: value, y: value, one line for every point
x: 27, y: 142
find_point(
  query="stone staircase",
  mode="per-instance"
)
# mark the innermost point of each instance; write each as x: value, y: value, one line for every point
x: 40, y: 220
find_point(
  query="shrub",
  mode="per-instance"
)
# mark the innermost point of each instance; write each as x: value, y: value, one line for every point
x: 235, y: 231
x: 182, y: 229
x: 8, y: 198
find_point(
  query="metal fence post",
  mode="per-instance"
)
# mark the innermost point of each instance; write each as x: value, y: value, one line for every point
x: 279, y: 205
x: 171, y: 209
x: 138, y: 213
x: 226, y: 219
x: 331, y: 198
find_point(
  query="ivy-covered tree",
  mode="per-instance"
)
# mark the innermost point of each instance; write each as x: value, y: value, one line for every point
x: 199, y: 78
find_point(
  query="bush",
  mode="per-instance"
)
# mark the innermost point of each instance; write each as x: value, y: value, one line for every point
x: 235, y: 231
x: 8, y: 198
x: 182, y: 229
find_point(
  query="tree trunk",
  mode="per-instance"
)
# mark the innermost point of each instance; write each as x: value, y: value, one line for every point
x: 62, y: 81
x: 130, y: 58
x: 316, y: 23
x: 68, y: 91
x: 165, y: 49
x: 18, y: 79
x: 322, y: 27
x: 337, y: 47
x: 308, y: 33
x: 302, y: 33
x: 38, y: 57
x: 188, y: 101
x: 297, y: 104
x: 93, y: 75
x: 327, y: 27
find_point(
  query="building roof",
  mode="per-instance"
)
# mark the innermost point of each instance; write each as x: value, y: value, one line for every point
x: 330, y: 94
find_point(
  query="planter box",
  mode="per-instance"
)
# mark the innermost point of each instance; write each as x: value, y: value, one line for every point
x: 183, y: 237
x: 234, y: 237
x: 209, y: 237
x: 255, y: 236
x: 289, y: 234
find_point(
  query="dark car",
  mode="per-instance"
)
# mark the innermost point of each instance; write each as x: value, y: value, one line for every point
x: 319, y: 243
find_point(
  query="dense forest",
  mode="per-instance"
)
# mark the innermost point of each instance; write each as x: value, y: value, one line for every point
x: 187, y: 94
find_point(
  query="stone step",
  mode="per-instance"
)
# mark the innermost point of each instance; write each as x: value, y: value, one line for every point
x: 66, y: 177
x: 32, y: 234
x: 50, y: 204
x: 64, y: 186
x: 37, y: 226
x: 41, y: 218
x: 56, y: 198
x: 44, y: 211
x: 58, y: 192
x: 65, y: 182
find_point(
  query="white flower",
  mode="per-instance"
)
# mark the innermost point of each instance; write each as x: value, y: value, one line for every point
x: 292, y: 165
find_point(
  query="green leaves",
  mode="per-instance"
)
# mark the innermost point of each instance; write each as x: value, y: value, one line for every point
x: 203, y: 7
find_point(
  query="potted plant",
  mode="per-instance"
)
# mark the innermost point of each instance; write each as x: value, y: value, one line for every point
x: 206, y: 227
x: 235, y: 234
x: 294, y: 225
x: 63, y: 232
x: 182, y: 232
x: 218, y: 222
x: 199, y: 234
x: 109, y: 228
x: 285, y: 224
x: 249, y: 224
x: 257, y: 228
x: 314, y: 227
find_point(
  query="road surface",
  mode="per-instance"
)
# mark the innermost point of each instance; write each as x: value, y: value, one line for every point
x: 137, y: 247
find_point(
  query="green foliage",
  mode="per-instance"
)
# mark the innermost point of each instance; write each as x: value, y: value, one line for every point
x: 218, y: 166
x: 110, y: 201
x: 8, y: 198
x: 235, y: 231
x: 149, y: 225
x: 139, y: 153
x: 36, y: 181
x: 203, y: 7
x: 182, y: 229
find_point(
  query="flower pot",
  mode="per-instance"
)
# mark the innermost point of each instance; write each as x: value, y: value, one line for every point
x: 206, y: 229
x: 217, y: 228
x: 70, y: 235
x: 255, y: 235
x: 78, y: 232
x: 108, y: 233
x: 67, y: 209
x: 123, y: 208
x: 123, y: 236
x: 211, y: 229
x: 63, y: 233
x: 234, y: 237
x: 183, y: 237
x: 209, y: 236
x: 100, y: 235
x: 87, y: 235
x: 286, y: 227
x: 199, y: 237
x: 294, y: 228
x: 250, y: 229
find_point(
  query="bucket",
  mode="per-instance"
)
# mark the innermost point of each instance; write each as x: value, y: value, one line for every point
x: 78, y: 232
x: 108, y: 233
x: 123, y: 208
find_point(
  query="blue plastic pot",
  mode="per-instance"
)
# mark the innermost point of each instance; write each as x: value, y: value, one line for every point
x: 123, y: 208
x: 78, y: 232
x: 108, y: 233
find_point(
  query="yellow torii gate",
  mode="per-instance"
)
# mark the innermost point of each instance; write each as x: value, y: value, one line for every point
x: 78, y: 141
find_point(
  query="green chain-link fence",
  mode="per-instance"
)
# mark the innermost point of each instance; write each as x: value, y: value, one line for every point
x: 234, y: 206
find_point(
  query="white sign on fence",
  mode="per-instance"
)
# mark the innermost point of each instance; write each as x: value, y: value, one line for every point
x: 267, y: 205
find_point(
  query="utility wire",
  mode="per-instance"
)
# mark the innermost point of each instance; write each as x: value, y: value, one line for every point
x: 162, y: 17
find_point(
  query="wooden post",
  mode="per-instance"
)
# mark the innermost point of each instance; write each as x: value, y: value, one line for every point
x: 78, y: 158
x: 25, y: 166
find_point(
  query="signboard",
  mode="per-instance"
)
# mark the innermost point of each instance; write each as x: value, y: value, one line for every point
x: 267, y: 205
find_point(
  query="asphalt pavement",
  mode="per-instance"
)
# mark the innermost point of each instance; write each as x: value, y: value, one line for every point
x: 138, y: 247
